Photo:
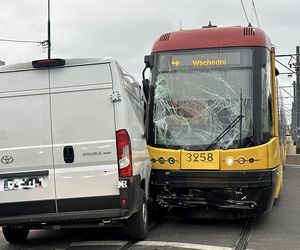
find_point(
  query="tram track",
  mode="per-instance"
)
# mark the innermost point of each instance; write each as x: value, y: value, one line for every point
x: 245, y: 234
x: 153, y: 225
x: 241, y: 243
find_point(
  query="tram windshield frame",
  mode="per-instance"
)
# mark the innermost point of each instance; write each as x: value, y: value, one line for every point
x: 197, y: 94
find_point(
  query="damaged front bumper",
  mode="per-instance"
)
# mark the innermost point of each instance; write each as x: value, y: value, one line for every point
x: 235, y: 190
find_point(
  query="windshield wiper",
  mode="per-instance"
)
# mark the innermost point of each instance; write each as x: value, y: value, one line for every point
x: 226, y: 130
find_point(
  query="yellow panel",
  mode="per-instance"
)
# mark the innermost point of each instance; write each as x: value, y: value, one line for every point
x: 258, y: 153
x: 264, y: 156
x: 274, y: 153
x: 279, y: 182
x: 201, y: 160
x: 165, y: 159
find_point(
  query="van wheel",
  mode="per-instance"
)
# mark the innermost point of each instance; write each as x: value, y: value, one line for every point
x: 138, y: 222
x: 15, y: 234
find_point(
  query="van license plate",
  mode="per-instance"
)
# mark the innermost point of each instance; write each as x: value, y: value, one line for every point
x: 24, y: 183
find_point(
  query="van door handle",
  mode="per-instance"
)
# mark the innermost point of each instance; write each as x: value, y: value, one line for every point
x: 69, y: 154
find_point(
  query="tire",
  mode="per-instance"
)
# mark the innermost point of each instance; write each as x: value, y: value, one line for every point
x: 138, y: 222
x: 15, y: 234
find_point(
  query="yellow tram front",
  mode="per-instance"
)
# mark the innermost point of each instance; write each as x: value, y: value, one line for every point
x: 212, y: 122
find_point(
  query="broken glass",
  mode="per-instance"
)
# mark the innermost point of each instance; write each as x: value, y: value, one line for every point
x: 193, y: 106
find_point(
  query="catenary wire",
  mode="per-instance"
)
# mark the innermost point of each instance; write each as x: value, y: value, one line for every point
x: 253, y: 6
x: 19, y: 41
x: 244, y: 11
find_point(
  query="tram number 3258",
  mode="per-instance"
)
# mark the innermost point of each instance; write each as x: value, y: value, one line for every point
x: 199, y: 157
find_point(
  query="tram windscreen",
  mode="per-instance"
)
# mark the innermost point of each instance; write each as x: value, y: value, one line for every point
x: 197, y: 95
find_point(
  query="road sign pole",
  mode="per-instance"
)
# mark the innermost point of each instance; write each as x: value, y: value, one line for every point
x: 297, y: 94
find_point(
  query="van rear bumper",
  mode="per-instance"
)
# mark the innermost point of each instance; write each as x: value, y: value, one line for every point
x: 75, y: 210
x: 65, y: 218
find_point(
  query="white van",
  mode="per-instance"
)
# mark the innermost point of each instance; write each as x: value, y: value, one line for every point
x: 72, y: 147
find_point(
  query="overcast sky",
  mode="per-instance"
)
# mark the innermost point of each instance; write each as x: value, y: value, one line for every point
x: 126, y: 29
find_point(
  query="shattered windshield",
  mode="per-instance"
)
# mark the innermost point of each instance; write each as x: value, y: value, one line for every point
x: 198, y: 94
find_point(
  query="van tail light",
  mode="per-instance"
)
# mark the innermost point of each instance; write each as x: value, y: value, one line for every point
x: 48, y: 63
x: 124, y: 153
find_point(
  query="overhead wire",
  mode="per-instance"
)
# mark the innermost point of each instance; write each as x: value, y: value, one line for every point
x: 19, y: 41
x: 44, y: 43
x: 252, y: 10
x: 252, y: 14
x: 285, y: 66
x: 245, y: 12
x: 256, y: 16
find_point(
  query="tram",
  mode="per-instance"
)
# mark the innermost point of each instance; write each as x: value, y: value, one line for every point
x: 215, y: 125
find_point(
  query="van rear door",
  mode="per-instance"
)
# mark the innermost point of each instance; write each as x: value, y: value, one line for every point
x: 26, y: 163
x: 84, y: 138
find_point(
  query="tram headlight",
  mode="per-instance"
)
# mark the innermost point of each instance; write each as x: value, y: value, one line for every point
x: 171, y: 160
x: 241, y: 160
x: 229, y: 160
x: 251, y: 160
x: 161, y: 160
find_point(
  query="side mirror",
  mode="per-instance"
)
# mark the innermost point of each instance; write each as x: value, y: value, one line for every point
x: 149, y: 61
x: 276, y: 72
x: 146, y: 88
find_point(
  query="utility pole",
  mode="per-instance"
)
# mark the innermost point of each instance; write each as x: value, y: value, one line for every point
x: 297, y: 100
x: 49, y: 32
x: 294, y: 68
x: 294, y: 115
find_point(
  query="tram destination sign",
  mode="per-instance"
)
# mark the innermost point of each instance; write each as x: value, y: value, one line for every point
x: 205, y: 60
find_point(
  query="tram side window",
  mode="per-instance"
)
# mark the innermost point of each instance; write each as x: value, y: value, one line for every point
x: 281, y: 122
x: 267, y: 101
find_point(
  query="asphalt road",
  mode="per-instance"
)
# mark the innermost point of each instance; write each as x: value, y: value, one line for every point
x: 279, y: 229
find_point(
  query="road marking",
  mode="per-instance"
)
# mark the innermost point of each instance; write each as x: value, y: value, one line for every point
x: 191, y: 246
x: 292, y: 166
x: 99, y: 243
x: 180, y: 245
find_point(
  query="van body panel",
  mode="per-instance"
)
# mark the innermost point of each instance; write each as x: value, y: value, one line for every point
x: 83, y: 118
x: 132, y: 105
x: 80, y: 75
x: 23, y: 80
x: 25, y: 132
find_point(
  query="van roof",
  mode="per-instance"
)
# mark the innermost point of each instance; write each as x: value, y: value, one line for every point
x: 69, y: 62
